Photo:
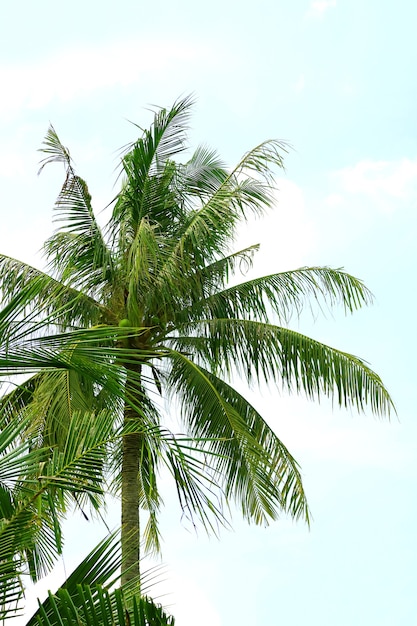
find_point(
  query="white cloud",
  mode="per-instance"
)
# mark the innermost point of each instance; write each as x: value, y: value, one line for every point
x: 79, y: 71
x: 190, y: 603
x: 286, y: 234
x: 378, y: 179
x: 299, y: 85
x: 334, y: 200
x: 318, y: 7
x: 12, y: 164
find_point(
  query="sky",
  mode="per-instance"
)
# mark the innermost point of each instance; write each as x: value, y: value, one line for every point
x: 336, y: 80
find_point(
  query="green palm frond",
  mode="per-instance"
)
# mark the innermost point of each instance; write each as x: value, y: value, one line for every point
x: 142, y: 265
x: 201, y: 498
x: 217, y: 274
x: 78, y: 252
x: 56, y: 152
x: 284, y: 294
x: 166, y: 137
x: 266, y: 352
x: 45, y: 296
x: 78, y: 468
x: 99, y: 607
x: 248, y: 459
x: 201, y: 176
x: 207, y: 230
x: 52, y: 405
x: 34, y: 487
x: 80, y: 465
x: 146, y: 166
x: 240, y: 193
x: 87, y: 597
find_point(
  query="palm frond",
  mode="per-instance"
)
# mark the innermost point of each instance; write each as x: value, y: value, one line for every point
x: 206, y: 231
x: 150, y: 500
x: 33, y: 526
x: 284, y: 294
x: 25, y: 288
x: 186, y: 458
x: 78, y: 251
x: 148, y: 170
x: 166, y: 137
x: 248, y: 459
x: 261, y: 351
x: 86, y: 597
x: 30, y: 535
x: 141, y: 267
x: 200, y: 497
x: 198, y: 179
x: 56, y: 152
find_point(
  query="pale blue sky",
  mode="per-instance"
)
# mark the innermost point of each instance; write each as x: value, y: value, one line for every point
x: 335, y: 78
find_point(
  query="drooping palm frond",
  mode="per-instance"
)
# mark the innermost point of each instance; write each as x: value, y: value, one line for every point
x: 150, y: 500
x: 248, y: 460
x: 201, y: 498
x: 51, y: 406
x: 186, y: 459
x: 266, y: 352
x: 15, y: 460
x: 46, y: 296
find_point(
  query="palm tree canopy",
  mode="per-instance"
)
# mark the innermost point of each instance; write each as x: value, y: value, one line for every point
x: 157, y: 284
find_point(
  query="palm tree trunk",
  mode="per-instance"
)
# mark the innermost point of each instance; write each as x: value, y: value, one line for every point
x: 130, y: 533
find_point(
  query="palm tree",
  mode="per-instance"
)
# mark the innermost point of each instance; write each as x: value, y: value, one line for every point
x: 156, y: 282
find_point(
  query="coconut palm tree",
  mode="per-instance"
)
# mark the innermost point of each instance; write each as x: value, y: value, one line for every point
x: 157, y: 283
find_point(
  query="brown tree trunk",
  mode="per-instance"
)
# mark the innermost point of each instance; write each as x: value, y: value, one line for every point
x: 130, y: 533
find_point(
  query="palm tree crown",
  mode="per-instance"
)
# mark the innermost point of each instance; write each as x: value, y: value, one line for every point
x: 156, y: 281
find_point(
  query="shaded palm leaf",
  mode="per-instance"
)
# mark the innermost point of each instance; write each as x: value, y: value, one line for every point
x: 248, y: 460
x: 91, y: 601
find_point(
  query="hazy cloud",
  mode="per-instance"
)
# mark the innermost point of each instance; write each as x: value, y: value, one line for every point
x: 299, y: 85
x: 318, y: 7
x: 79, y: 71
x: 389, y: 179
x: 286, y: 233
